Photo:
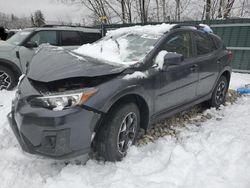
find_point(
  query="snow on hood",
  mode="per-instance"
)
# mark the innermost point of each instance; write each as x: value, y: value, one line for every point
x: 5, y: 46
x: 125, y: 45
x: 136, y: 74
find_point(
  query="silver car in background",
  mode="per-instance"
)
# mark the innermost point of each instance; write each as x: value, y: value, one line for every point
x: 17, y: 51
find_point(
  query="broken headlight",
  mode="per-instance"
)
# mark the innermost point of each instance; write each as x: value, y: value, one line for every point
x: 61, y: 101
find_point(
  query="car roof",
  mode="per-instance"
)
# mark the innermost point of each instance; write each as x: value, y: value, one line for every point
x: 64, y: 28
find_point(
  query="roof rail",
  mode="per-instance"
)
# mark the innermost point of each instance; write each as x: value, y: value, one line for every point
x: 177, y: 26
x: 53, y: 25
x: 202, y: 27
x: 57, y: 25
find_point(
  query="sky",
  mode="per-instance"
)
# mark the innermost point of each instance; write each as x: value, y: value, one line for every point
x: 52, y: 9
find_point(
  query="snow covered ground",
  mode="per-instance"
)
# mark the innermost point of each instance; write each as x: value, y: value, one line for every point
x: 214, y: 155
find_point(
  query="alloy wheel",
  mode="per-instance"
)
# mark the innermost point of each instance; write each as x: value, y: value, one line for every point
x: 5, y: 80
x: 127, y: 132
x: 220, y: 93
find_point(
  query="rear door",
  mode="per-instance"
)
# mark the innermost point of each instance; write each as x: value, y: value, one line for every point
x: 207, y: 60
x: 90, y: 37
x: 70, y: 39
x: 178, y: 83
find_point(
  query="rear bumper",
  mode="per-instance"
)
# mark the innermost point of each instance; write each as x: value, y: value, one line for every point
x: 59, y: 135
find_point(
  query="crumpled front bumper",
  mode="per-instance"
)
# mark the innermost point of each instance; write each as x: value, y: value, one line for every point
x: 60, y: 135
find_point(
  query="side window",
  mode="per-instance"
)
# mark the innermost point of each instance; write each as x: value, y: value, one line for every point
x: 203, y: 44
x: 90, y: 37
x: 70, y: 38
x: 44, y: 37
x: 180, y: 43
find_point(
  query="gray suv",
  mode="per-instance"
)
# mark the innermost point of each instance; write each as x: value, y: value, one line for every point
x: 16, y: 52
x: 70, y: 103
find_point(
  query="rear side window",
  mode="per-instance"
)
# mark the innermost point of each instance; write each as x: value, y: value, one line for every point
x: 204, y: 44
x: 70, y: 38
x: 90, y: 37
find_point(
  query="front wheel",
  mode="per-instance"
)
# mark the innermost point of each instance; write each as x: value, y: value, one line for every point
x: 7, y: 79
x: 118, y: 132
x: 219, y: 92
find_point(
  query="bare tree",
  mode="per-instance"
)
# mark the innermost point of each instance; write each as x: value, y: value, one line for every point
x: 228, y: 8
x: 177, y: 10
x: 164, y: 14
x: 14, y: 22
x: 208, y: 9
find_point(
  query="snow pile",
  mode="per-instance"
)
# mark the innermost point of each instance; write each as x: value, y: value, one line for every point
x: 153, y: 30
x: 206, y: 28
x: 159, y: 60
x: 108, y: 50
x: 213, y: 155
x: 136, y: 74
x: 239, y: 80
x: 118, y: 45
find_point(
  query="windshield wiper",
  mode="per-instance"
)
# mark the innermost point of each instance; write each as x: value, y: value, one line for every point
x: 115, y: 40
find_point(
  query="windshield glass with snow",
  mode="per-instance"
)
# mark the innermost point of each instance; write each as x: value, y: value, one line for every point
x: 126, y: 48
x: 19, y: 37
x: 126, y: 45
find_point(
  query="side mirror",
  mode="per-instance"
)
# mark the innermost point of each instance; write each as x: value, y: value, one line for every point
x: 173, y: 59
x: 31, y: 45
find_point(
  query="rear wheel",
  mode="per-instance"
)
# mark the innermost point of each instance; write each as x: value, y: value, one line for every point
x: 219, y: 93
x: 7, y: 79
x: 118, y: 132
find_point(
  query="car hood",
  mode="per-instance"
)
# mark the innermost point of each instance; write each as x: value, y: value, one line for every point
x: 55, y: 63
x: 5, y: 46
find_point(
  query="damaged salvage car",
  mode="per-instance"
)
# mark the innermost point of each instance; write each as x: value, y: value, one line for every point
x: 97, y: 97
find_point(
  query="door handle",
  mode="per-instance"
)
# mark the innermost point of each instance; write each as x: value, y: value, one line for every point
x: 194, y: 68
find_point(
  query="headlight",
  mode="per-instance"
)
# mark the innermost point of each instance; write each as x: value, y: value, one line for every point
x: 63, y: 101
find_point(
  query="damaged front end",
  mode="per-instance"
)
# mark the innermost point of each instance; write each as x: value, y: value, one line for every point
x: 51, y: 119
x: 57, y: 106
x: 62, y: 94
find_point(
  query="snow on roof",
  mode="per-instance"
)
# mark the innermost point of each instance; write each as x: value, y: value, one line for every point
x: 147, y: 29
x: 119, y: 49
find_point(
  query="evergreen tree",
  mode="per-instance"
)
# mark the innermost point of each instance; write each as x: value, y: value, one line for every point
x: 38, y: 18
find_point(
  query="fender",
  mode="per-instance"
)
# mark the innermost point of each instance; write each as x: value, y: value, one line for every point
x: 131, y: 90
x: 227, y: 68
x: 11, y: 65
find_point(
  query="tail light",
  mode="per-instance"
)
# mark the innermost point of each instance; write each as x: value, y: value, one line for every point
x: 230, y: 55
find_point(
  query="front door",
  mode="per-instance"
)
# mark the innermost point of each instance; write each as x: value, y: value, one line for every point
x: 178, y: 83
x: 41, y: 37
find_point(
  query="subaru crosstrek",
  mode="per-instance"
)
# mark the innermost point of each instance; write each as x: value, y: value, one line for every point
x: 98, y: 96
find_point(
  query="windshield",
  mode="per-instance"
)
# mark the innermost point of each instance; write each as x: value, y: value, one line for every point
x: 18, y: 37
x: 126, y: 48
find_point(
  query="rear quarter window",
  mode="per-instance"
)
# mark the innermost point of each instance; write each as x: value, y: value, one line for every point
x: 218, y: 42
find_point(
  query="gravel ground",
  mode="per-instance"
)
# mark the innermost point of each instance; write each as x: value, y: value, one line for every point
x: 170, y: 126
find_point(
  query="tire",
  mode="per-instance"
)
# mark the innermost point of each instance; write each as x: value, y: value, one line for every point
x: 115, y: 135
x: 7, y: 78
x: 219, y: 93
